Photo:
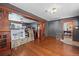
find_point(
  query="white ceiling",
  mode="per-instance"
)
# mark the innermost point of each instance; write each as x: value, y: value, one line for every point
x: 63, y: 10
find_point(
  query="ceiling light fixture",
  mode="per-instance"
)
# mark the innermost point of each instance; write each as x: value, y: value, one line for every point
x: 52, y: 10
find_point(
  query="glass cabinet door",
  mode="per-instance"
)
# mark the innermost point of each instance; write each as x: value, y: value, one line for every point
x: 4, y: 43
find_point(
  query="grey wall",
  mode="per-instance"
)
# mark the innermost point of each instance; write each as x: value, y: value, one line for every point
x: 34, y: 25
x: 53, y: 27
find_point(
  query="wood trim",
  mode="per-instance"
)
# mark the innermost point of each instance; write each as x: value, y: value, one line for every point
x: 23, y: 13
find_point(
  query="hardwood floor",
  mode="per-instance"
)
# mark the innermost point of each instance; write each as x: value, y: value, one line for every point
x: 48, y: 47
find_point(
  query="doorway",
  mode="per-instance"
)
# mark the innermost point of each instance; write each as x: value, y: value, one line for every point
x: 68, y: 26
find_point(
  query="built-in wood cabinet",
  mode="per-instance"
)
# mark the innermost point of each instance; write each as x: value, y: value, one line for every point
x: 4, y: 40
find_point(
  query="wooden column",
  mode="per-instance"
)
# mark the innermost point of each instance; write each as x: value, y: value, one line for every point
x: 4, y: 32
x: 41, y: 31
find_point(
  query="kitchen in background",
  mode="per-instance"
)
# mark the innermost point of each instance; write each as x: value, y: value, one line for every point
x: 21, y: 30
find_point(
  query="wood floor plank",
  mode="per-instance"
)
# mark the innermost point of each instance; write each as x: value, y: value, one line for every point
x: 47, y: 47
